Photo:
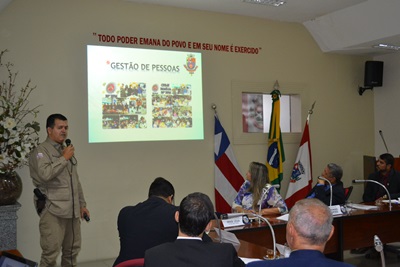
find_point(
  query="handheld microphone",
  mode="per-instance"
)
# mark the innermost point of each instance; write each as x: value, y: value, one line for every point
x: 68, y: 142
x: 383, y: 139
x: 330, y: 187
x: 73, y: 159
x: 373, y: 181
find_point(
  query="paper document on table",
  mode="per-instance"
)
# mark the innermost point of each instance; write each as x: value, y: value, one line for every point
x: 284, y: 217
x: 393, y: 201
x: 228, y: 237
x: 362, y: 207
x: 283, y: 250
x: 247, y: 260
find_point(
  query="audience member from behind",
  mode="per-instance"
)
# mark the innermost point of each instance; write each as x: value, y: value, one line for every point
x: 194, y: 218
x: 250, y: 193
x: 308, y: 230
x: 149, y: 223
x: 333, y: 173
x: 385, y: 175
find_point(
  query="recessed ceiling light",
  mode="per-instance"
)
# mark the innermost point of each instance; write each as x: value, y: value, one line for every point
x: 387, y: 46
x: 266, y: 2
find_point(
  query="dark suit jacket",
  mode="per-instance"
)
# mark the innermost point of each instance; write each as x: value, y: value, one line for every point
x: 373, y: 191
x: 186, y: 252
x: 338, y: 197
x: 301, y: 258
x: 145, y: 225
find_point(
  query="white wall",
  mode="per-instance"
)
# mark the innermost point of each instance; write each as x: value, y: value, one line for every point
x: 386, y: 106
x: 47, y: 41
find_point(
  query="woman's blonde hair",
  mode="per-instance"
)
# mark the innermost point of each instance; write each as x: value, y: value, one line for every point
x: 259, y: 178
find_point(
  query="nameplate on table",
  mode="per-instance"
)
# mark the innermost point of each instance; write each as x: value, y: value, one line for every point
x: 362, y: 207
x: 336, y: 210
x: 235, y: 221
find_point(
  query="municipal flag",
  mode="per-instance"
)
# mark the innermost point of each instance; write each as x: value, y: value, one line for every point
x: 301, y: 179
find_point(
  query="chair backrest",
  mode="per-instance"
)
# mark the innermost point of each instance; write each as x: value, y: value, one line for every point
x: 347, y: 192
x: 131, y: 263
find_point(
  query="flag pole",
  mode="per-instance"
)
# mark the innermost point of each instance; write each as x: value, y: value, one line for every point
x: 301, y: 178
x: 310, y: 111
x: 214, y: 107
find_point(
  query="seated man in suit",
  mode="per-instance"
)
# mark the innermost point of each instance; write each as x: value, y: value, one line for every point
x: 385, y: 175
x: 307, y: 231
x: 149, y: 223
x: 333, y: 173
x: 194, y: 218
x: 390, y: 178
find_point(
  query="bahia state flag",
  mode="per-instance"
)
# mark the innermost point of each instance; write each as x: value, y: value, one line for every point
x: 301, y: 179
x: 276, y: 154
x: 228, y: 178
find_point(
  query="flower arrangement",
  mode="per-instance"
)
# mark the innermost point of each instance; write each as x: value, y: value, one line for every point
x: 17, y: 138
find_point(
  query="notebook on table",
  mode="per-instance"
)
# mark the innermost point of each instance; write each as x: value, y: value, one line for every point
x: 11, y: 260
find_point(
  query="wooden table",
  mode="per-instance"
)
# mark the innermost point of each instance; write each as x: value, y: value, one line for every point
x: 355, y: 230
x: 246, y: 249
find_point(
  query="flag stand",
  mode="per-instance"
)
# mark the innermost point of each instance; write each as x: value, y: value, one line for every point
x: 301, y: 178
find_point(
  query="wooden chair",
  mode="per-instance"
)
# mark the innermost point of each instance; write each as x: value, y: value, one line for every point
x: 131, y: 263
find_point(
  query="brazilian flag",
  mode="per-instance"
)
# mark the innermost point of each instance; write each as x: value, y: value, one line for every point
x: 276, y: 154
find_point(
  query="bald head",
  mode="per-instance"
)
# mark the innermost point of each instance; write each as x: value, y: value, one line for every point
x: 312, y: 221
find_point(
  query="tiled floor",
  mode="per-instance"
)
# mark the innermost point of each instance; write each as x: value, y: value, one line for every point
x: 391, y: 260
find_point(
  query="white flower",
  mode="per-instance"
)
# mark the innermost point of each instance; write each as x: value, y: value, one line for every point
x: 17, y: 138
x: 4, y: 159
x: 10, y: 123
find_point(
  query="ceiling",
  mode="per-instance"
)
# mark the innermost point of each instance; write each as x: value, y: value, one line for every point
x: 292, y: 11
x: 338, y: 26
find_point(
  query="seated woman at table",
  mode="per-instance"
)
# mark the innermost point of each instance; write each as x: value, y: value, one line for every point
x: 249, y: 196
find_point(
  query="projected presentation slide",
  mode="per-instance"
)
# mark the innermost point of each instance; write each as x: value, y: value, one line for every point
x: 144, y: 95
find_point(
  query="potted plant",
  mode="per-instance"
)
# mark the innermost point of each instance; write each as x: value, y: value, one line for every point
x: 17, y: 137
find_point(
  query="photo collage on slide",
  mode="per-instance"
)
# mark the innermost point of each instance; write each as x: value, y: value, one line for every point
x: 125, y: 106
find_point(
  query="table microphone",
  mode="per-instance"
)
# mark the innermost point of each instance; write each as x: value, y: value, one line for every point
x: 378, y: 244
x: 272, y: 232
x: 330, y: 187
x: 373, y: 181
x: 379, y: 247
x: 225, y: 216
x: 383, y: 139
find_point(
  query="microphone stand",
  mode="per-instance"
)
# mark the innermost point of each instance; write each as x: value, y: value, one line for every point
x: 330, y: 187
x: 272, y: 233
x: 373, y: 181
x: 383, y: 139
x: 219, y: 226
x: 379, y: 247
